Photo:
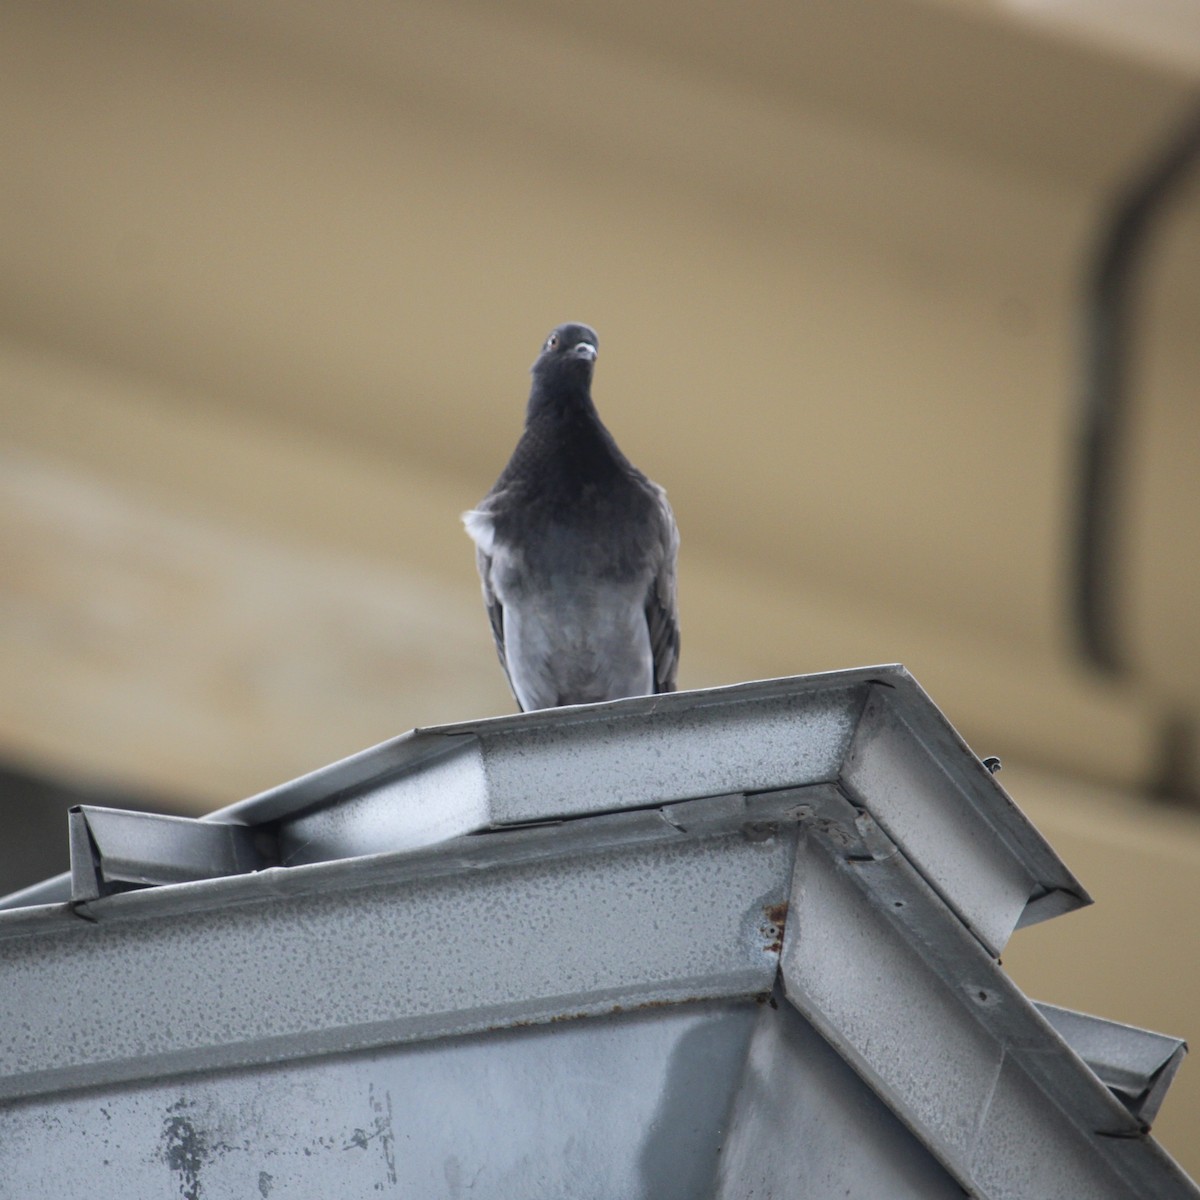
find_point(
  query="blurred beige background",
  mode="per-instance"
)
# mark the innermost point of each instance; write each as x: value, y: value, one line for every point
x: 272, y: 275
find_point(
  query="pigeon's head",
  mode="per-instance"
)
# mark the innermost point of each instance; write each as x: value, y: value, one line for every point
x: 568, y: 355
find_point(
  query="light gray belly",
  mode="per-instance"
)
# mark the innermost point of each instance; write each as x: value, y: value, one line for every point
x: 578, y: 645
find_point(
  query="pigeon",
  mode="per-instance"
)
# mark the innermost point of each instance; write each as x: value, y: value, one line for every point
x: 576, y: 549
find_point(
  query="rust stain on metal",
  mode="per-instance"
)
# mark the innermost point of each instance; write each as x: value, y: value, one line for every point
x: 776, y: 915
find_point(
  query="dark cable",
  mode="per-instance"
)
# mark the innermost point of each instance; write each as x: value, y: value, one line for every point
x: 1108, y: 338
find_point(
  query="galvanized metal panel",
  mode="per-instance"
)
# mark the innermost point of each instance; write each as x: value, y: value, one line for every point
x: 585, y: 760
x: 110, y: 846
x: 654, y: 1105
x: 445, y: 797
x: 909, y: 792
x: 721, y: 742
x: 663, y: 900
x: 554, y: 728
x: 850, y: 727
x: 632, y: 1106
x: 901, y: 758
x: 805, y: 1125
x: 862, y: 984
x: 917, y: 1006
x: 516, y: 927
x: 653, y: 907
x: 1137, y: 1065
x: 1023, y: 1148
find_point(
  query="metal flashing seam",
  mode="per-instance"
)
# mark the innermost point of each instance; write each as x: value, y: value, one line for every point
x: 920, y: 1009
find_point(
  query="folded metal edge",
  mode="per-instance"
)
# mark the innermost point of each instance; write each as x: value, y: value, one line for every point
x: 1136, y: 1065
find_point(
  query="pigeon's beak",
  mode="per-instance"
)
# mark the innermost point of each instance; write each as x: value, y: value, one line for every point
x: 585, y: 350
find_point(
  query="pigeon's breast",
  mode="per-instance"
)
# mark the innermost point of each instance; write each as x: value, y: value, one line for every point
x: 600, y: 535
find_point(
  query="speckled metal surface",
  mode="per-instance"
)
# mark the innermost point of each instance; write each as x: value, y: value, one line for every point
x: 728, y: 1099
x: 443, y: 799
x: 593, y: 759
x: 599, y: 1108
x: 939, y: 1031
x: 1135, y: 1064
x: 805, y: 1126
x: 872, y: 731
x: 511, y: 928
x: 407, y: 1015
x: 912, y: 794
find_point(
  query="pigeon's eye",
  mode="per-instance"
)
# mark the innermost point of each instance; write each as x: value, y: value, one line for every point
x: 552, y: 342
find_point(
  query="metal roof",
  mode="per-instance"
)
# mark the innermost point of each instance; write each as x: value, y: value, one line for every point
x: 806, y: 881
x: 871, y: 730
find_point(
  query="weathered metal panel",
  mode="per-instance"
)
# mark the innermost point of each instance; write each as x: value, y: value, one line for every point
x: 654, y: 1105
x: 804, y: 1125
x: 609, y: 759
x: 917, y: 1006
x: 633, y: 1106
x: 446, y: 797
x: 716, y: 711
x: 910, y: 794
x: 863, y: 986
x: 901, y: 757
x: 111, y: 846
x: 523, y: 926
x: 592, y: 759
x: 905, y: 867
x: 1137, y: 1065
x: 1024, y: 1147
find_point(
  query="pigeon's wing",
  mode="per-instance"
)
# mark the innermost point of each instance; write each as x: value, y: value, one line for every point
x: 495, y: 610
x: 662, y: 614
x: 479, y: 525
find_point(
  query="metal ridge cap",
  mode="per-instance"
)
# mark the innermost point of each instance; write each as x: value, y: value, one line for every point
x: 418, y: 745
x: 406, y: 756
x: 410, y: 751
x: 629, y: 707
x: 930, y: 726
